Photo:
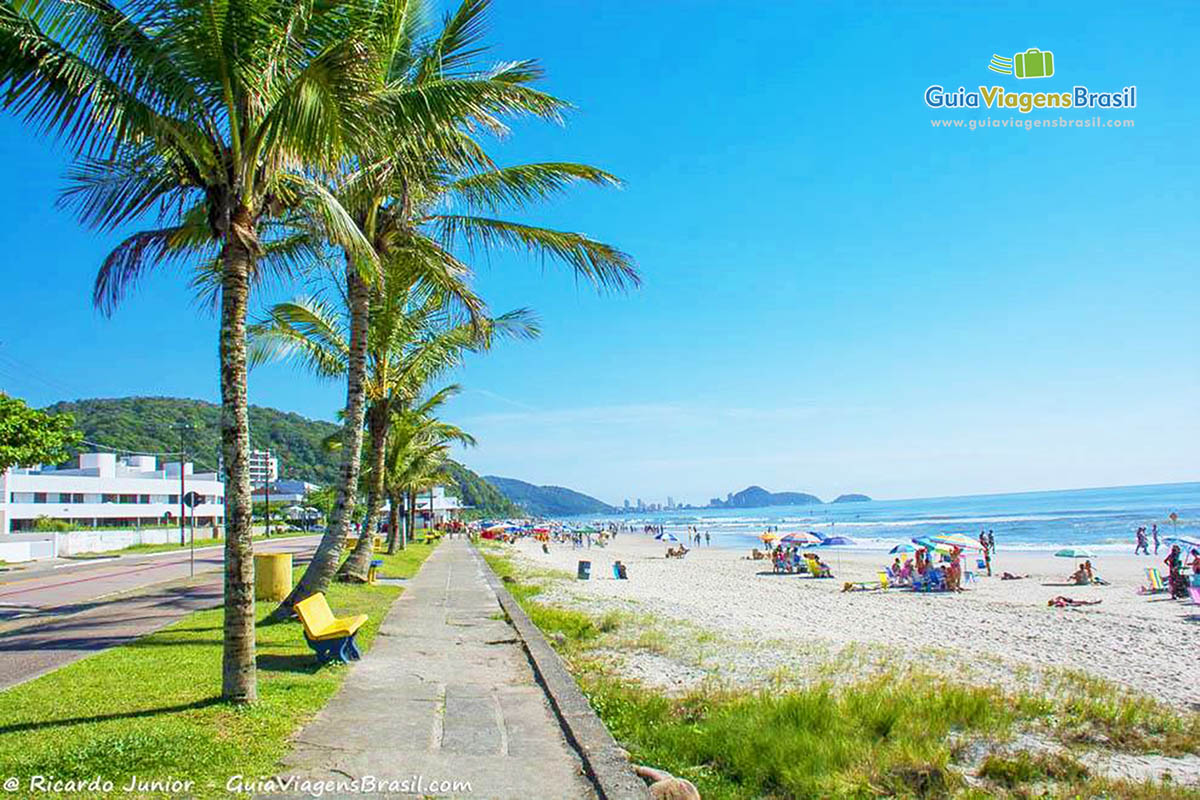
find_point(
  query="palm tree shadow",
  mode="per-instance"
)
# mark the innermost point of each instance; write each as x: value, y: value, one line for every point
x: 149, y: 712
x: 305, y: 663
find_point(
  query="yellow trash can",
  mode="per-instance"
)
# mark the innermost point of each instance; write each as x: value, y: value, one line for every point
x: 272, y: 576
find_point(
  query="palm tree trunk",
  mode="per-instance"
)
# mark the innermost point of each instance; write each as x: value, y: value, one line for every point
x: 356, y: 566
x: 411, y: 530
x: 325, y: 561
x: 393, y: 523
x: 238, y: 679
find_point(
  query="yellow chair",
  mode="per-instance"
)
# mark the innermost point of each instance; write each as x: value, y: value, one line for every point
x: 330, y: 637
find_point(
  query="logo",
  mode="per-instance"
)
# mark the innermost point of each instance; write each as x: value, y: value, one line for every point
x: 1033, y: 63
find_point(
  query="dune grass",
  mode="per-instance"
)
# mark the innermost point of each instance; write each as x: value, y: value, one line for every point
x: 900, y: 734
x: 152, y: 708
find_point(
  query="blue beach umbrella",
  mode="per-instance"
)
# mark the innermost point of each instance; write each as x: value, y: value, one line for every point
x: 1184, y: 543
x: 836, y: 541
x: 903, y: 548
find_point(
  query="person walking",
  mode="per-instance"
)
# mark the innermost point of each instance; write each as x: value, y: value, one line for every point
x: 991, y: 541
x: 707, y: 539
x: 1154, y: 535
x: 1141, y: 545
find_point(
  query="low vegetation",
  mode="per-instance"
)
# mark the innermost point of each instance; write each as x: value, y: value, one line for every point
x: 153, y: 707
x: 897, y: 734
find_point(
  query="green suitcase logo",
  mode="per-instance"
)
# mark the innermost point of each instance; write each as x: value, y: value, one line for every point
x: 1033, y: 63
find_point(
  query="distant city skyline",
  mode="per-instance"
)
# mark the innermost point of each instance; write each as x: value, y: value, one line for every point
x: 838, y: 297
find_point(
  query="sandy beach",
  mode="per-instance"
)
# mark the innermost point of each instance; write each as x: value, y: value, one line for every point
x: 766, y: 625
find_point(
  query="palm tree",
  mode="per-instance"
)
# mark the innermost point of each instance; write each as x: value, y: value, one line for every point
x: 213, y: 113
x: 219, y: 115
x: 417, y: 453
x: 414, y: 335
x: 376, y: 191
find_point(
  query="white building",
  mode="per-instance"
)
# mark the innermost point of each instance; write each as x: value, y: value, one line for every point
x: 106, y: 492
x: 445, y: 506
x: 284, y: 491
x: 264, y: 467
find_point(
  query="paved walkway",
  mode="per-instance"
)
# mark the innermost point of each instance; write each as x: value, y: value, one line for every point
x: 445, y: 694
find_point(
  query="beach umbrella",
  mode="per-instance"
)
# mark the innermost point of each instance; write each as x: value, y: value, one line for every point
x: 929, y: 544
x: 665, y: 536
x: 836, y: 541
x: 956, y: 540
x: 1075, y: 552
x: 768, y: 536
x: 903, y: 548
x: 800, y: 538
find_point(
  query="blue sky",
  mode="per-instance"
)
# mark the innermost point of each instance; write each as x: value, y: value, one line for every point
x: 838, y: 297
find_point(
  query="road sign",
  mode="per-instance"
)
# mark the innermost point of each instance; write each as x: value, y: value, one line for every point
x: 191, y: 499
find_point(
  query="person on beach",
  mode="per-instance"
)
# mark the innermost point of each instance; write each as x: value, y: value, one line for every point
x: 1175, y: 578
x: 991, y: 541
x: 1070, y: 602
x: 1008, y: 576
x: 1195, y: 561
x: 1141, y: 543
x: 954, y: 572
x: 987, y: 560
x: 707, y: 538
x: 1154, y: 536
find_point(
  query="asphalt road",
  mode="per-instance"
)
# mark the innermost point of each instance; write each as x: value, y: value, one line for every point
x: 51, y: 616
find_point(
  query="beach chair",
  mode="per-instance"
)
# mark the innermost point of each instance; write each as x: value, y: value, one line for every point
x: 816, y: 568
x: 330, y: 637
x: 1157, y: 586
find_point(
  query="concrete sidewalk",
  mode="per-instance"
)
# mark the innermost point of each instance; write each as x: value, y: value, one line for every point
x: 446, y: 693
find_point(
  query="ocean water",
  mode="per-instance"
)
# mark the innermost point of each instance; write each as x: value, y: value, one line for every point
x: 1101, y: 519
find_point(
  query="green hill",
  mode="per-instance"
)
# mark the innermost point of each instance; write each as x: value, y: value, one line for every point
x: 548, y: 501
x: 148, y: 424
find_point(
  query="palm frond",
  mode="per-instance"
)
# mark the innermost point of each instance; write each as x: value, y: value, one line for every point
x: 602, y: 264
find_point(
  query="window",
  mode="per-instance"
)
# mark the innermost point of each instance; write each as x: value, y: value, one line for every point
x: 77, y: 497
x: 173, y: 499
x: 64, y: 497
x: 109, y: 498
x: 144, y: 499
x: 129, y: 498
x: 39, y: 497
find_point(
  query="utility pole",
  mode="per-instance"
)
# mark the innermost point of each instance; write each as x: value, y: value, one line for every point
x: 267, y: 487
x: 181, y: 427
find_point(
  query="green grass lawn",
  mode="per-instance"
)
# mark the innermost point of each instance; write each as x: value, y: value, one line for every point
x: 152, y: 708
x: 901, y: 735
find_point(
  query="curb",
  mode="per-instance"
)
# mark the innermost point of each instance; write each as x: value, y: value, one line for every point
x: 606, y: 767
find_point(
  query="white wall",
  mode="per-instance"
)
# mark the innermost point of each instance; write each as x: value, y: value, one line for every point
x: 16, y: 547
